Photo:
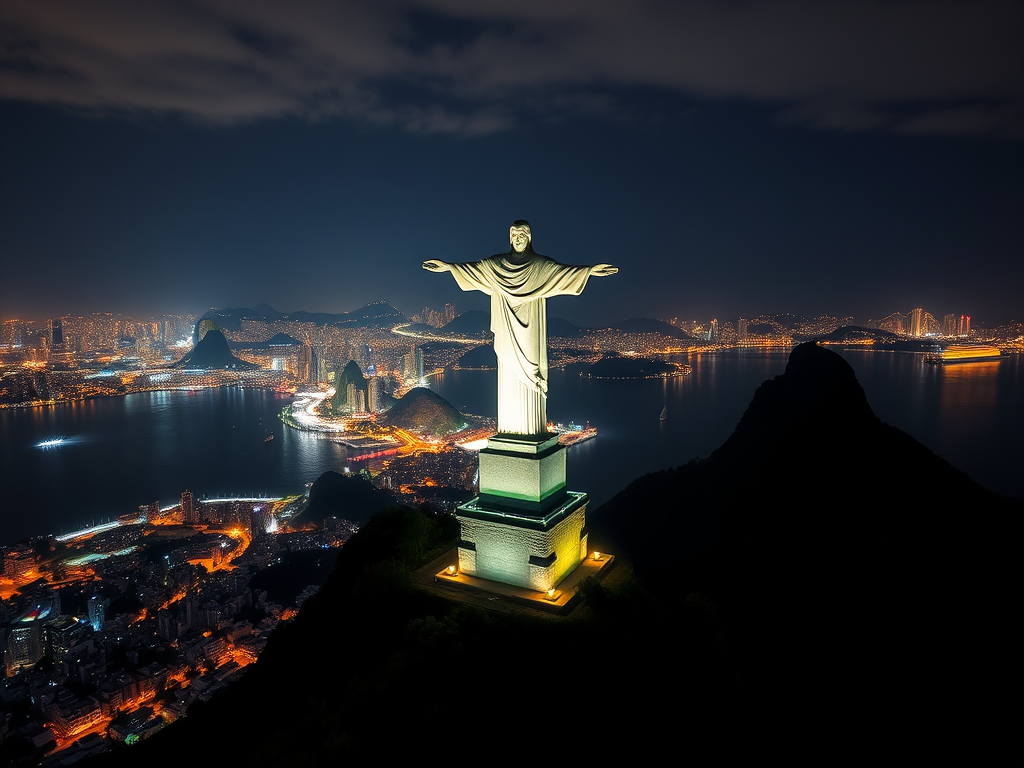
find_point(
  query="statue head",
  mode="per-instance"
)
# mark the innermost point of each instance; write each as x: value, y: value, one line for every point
x: 519, y: 235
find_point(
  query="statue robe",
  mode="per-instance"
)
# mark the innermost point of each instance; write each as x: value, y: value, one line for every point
x: 519, y: 286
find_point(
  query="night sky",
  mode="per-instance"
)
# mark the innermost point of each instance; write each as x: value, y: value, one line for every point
x: 731, y: 158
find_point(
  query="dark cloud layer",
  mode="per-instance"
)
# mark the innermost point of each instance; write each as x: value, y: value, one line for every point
x: 732, y: 157
x: 468, y: 68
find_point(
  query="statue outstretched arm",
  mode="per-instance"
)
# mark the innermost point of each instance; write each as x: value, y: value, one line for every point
x: 603, y: 270
x: 436, y: 265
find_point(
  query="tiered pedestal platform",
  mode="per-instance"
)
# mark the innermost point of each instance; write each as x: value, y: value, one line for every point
x: 525, y: 528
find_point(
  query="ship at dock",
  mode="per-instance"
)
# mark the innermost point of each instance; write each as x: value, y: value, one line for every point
x: 965, y: 353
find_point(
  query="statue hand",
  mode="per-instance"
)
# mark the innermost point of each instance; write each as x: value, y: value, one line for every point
x: 436, y: 265
x: 603, y: 270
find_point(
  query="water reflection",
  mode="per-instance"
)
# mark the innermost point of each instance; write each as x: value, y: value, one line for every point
x: 150, y: 447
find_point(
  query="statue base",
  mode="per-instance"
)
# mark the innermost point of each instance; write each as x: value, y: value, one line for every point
x: 520, y: 549
x: 525, y: 528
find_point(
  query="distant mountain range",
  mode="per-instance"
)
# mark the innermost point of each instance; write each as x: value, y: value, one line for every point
x: 377, y: 314
x: 473, y: 323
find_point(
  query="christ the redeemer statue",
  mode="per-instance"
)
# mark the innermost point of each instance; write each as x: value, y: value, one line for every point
x: 519, y: 283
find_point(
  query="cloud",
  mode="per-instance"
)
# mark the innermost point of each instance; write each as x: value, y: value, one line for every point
x: 470, y: 68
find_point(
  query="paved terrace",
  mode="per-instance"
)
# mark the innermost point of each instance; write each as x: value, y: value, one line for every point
x: 441, y: 575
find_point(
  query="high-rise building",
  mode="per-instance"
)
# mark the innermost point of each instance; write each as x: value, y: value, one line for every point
x: 304, y: 371
x: 97, y: 612
x: 62, y: 634
x: 449, y: 313
x: 189, y: 513
x: 965, y: 326
x: 261, y: 520
x: 741, y: 328
x: 11, y: 334
x: 319, y: 368
x: 949, y: 325
x: 25, y: 640
x: 375, y: 391
x: 412, y: 364
x: 355, y: 398
x: 57, y: 335
x: 917, y: 322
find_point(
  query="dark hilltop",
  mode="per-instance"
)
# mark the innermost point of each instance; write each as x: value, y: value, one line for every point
x: 821, y: 588
x: 421, y: 410
x: 212, y: 352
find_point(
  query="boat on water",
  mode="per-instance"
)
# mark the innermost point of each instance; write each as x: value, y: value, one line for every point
x: 268, y: 438
x: 664, y: 414
x: 965, y: 353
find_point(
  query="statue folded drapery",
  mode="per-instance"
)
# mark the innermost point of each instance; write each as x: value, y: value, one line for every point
x: 519, y: 283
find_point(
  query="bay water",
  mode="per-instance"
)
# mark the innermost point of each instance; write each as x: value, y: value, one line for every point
x: 123, y: 452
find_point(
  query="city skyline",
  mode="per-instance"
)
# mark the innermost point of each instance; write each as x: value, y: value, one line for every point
x: 853, y: 160
x: 915, y: 322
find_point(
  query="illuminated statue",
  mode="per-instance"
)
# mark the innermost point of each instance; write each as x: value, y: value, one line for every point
x: 519, y: 282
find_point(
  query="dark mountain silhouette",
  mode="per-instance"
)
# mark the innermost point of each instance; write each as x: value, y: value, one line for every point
x: 612, y: 365
x: 379, y: 314
x: 351, y: 497
x: 563, y: 329
x: 281, y: 340
x: 268, y: 312
x: 423, y: 411
x: 229, y: 319
x: 820, y: 587
x: 837, y: 550
x: 475, y: 323
x: 853, y: 334
x: 650, y: 325
x: 213, y: 353
x: 480, y: 357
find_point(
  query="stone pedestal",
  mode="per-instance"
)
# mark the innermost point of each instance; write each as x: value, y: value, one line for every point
x: 525, y: 528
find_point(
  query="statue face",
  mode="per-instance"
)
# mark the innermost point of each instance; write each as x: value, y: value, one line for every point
x: 519, y: 237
